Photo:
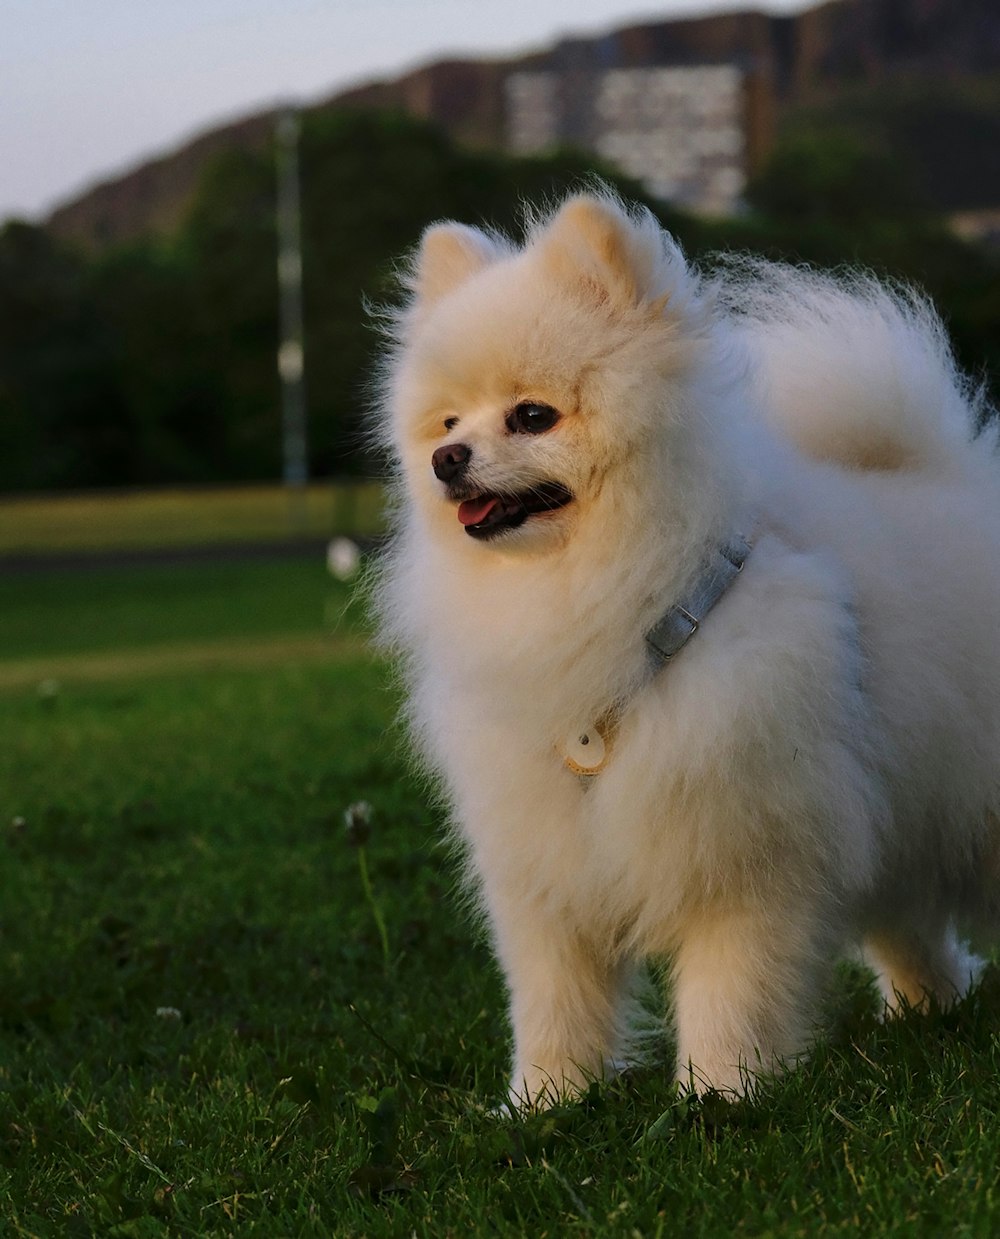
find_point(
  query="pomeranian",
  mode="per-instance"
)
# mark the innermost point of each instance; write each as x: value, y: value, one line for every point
x: 696, y: 584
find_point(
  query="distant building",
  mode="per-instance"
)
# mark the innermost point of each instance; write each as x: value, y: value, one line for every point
x: 686, y: 131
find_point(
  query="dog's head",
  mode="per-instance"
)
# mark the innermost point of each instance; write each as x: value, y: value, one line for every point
x: 527, y: 377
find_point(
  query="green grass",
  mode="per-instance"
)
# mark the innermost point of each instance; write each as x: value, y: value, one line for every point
x: 53, y: 613
x: 199, y: 1032
x: 136, y: 520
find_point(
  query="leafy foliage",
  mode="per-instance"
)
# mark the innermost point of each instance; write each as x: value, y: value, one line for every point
x: 835, y: 178
x: 943, y: 130
x: 61, y: 411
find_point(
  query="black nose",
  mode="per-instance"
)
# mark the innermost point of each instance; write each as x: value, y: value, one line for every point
x: 451, y: 460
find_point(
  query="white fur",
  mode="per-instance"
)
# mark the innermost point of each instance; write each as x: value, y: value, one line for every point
x: 821, y: 764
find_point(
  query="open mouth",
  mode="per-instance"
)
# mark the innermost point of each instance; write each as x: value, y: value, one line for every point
x: 485, y: 516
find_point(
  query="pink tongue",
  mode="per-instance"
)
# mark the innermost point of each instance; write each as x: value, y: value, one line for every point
x: 472, y: 511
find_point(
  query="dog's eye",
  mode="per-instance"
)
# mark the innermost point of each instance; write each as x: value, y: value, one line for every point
x: 529, y: 418
x: 450, y: 423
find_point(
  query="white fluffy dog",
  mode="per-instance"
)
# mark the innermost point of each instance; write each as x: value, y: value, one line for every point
x: 648, y: 751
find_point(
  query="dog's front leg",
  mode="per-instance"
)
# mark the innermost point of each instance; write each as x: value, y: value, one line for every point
x: 563, y: 999
x: 745, y: 988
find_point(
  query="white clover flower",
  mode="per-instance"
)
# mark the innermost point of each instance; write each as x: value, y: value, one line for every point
x: 343, y: 557
x: 358, y: 823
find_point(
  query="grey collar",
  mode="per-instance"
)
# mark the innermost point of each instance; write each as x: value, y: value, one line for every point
x: 587, y: 748
x: 680, y: 622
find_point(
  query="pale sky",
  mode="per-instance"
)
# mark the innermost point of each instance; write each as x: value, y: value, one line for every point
x: 90, y: 88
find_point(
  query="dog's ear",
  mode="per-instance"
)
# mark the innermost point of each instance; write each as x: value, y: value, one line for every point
x: 592, y: 245
x: 448, y: 255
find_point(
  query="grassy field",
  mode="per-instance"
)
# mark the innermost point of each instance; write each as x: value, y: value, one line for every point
x: 203, y: 1032
x: 130, y: 520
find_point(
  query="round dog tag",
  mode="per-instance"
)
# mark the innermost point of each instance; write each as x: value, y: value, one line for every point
x: 585, y: 751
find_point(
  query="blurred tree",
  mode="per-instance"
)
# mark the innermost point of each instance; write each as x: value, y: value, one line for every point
x: 227, y: 248
x: 168, y: 393
x: 837, y: 178
x: 944, y: 130
x: 156, y: 362
x: 61, y: 419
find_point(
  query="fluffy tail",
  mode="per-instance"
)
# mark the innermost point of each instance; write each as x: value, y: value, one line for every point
x: 851, y: 371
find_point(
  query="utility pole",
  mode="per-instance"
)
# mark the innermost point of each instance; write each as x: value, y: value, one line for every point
x: 291, y: 360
